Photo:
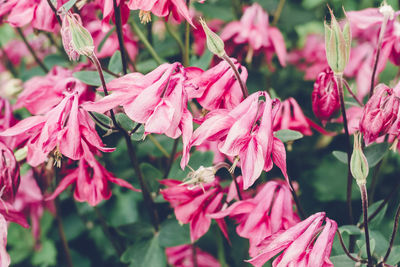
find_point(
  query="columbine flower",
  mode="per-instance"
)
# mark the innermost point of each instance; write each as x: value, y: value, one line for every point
x: 269, y: 212
x: 182, y: 256
x: 199, y: 177
x: 325, y: 97
x: 299, y: 244
x: 379, y: 113
x: 9, y: 174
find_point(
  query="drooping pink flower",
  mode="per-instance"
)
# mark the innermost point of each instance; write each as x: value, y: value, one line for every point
x: 91, y: 180
x: 108, y: 11
x: 65, y: 129
x: 6, y: 121
x: 161, y: 8
x: 194, y: 204
x: 42, y: 93
x: 4, y: 257
x: 239, y: 134
x: 157, y: 99
x: 379, y: 113
x: 9, y: 174
x: 182, y: 256
x: 254, y: 29
x: 299, y: 245
x: 217, y: 87
x: 291, y: 117
x: 325, y: 96
x: 269, y: 212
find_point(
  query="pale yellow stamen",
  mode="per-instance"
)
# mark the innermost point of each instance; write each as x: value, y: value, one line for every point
x: 145, y: 16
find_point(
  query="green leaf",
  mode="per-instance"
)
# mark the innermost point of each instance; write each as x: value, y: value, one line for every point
x: 104, y: 119
x: 204, y: 61
x: 394, y: 257
x: 136, y: 231
x: 343, y: 260
x: 151, y: 176
x: 197, y: 159
x: 173, y: 234
x: 138, y: 134
x: 46, y: 255
x: 18, y: 250
x: 92, y: 77
x: 68, y: 5
x: 350, y: 229
x: 115, y: 64
x: 122, y: 209
x: 125, y: 121
x: 340, y: 155
x: 145, y: 253
x: 288, y: 135
x: 363, y: 247
x: 375, y: 223
x: 55, y: 60
x: 375, y: 153
x: 102, y: 42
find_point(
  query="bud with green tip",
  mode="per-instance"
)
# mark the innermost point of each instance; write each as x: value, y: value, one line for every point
x: 214, y: 42
x: 337, y: 44
x: 359, y: 164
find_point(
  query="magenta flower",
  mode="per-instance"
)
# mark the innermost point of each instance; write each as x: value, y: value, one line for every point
x: 91, y: 181
x: 254, y: 29
x: 161, y: 8
x: 269, y: 212
x: 182, y: 256
x: 9, y: 174
x: 290, y: 116
x: 239, y: 134
x: 108, y: 11
x: 4, y: 257
x: 218, y: 88
x: 6, y: 121
x: 379, y: 113
x: 194, y: 204
x: 325, y: 97
x: 299, y: 245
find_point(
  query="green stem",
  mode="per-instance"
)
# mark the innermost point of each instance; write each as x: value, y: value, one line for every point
x: 62, y: 233
x: 171, y: 157
x: 237, y: 75
x: 118, y: 24
x: 146, y: 42
x: 158, y: 145
x: 278, y: 12
x: 364, y: 199
x: 345, y: 249
x: 186, y: 59
x: 392, y: 237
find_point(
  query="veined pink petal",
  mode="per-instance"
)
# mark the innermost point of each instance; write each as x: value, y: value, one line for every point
x: 24, y: 126
x: 161, y: 118
x: 279, y: 156
x: 321, y: 251
x: 276, y: 38
x: 4, y: 257
x: 252, y: 162
x: 64, y: 183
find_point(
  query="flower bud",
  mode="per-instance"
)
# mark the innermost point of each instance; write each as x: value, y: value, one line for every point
x: 325, y: 97
x: 358, y: 163
x: 337, y: 44
x: 379, y: 113
x: 9, y: 173
x: 214, y: 42
x: 76, y: 39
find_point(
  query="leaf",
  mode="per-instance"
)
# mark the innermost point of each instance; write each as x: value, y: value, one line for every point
x: 67, y: 6
x: 343, y: 260
x: 138, y: 134
x: 151, y: 176
x: 92, y: 77
x: 115, y: 64
x: 363, y: 247
x: 204, y: 61
x: 125, y: 121
x: 394, y: 257
x: 46, y: 255
x: 375, y: 153
x: 145, y: 253
x: 55, y: 60
x: 104, y: 119
x: 376, y: 221
x: 122, y: 209
x: 288, y: 135
x: 18, y: 250
x: 136, y: 231
x: 350, y: 229
x: 340, y: 155
x: 173, y: 234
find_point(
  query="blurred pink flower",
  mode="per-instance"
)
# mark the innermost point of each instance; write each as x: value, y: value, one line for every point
x: 291, y: 117
x: 108, y: 11
x: 6, y: 121
x: 182, y: 256
x: 269, y: 212
x: 254, y: 29
x: 9, y: 174
x: 299, y: 244
x: 4, y: 257
x: 194, y: 204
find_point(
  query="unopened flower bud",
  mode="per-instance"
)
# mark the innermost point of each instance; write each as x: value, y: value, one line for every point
x: 359, y: 164
x: 76, y: 39
x: 325, y: 97
x: 379, y: 113
x: 9, y: 173
x: 200, y: 176
x: 337, y: 44
x: 214, y: 42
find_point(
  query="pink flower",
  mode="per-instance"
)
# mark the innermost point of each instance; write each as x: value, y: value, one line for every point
x: 6, y: 121
x: 161, y: 8
x: 157, y: 99
x: 379, y: 113
x: 325, y: 97
x: 298, y: 243
x: 194, y: 204
x: 91, y: 181
x: 218, y: 87
x: 42, y: 93
x: 269, y: 212
x: 4, y: 257
x: 239, y: 134
x: 182, y: 256
x: 9, y: 174
x: 254, y: 29
x: 291, y: 117
x: 108, y: 11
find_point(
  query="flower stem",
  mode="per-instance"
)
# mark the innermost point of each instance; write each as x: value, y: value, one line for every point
x: 171, y: 157
x: 296, y: 200
x: 146, y: 42
x: 33, y: 53
x: 364, y: 199
x: 54, y: 10
x: 237, y: 75
x: 62, y: 233
x: 118, y: 24
x: 395, y: 226
x: 278, y: 12
x: 158, y: 145
x: 234, y: 178
x: 351, y: 93
x: 345, y: 249
x: 186, y: 59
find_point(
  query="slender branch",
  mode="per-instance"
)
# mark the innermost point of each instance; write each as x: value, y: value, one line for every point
x: 237, y: 75
x: 175, y: 36
x: 395, y: 226
x: 158, y: 145
x: 351, y: 93
x: 62, y: 233
x: 374, y: 181
x: 33, y: 53
x: 111, y: 73
x: 146, y: 42
x: 55, y: 11
x: 171, y: 157
x: 278, y: 12
x: 345, y: 249
x: 296, y: 200
x: 118, y: 24
x: 364, y: 199
x: 186, y: 59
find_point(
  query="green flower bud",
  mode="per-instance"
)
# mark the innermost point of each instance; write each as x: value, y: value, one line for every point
x: 337, y: 44
x: 214, y: 42
x: 358, y: 163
